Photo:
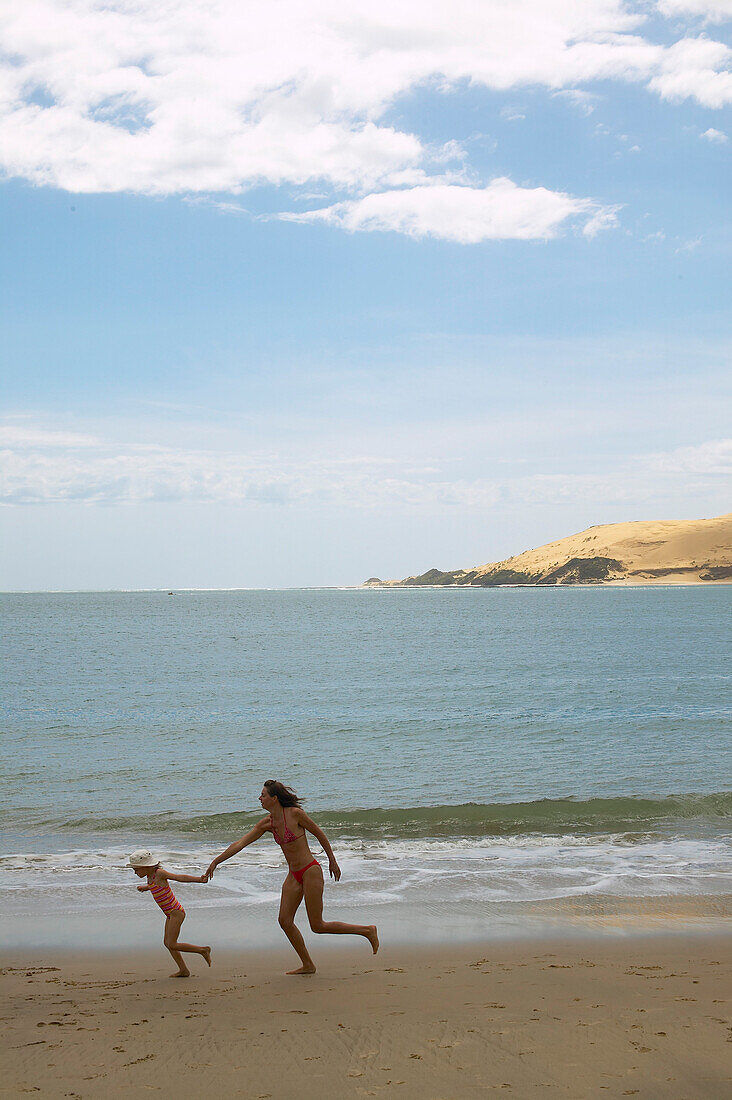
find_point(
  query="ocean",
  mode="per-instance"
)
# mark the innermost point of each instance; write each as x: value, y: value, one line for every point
x: 483, y: 760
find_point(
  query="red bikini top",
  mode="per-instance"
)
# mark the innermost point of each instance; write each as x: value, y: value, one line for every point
x: 289, y: 835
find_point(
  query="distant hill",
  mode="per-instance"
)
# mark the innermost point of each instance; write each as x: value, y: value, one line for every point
x: 641, y: 552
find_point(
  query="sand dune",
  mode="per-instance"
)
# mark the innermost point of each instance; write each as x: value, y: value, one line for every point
x: 640, y: 552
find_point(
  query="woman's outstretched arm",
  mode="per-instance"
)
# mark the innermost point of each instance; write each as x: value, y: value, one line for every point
x: 254, y: 834
x: 310, y: 825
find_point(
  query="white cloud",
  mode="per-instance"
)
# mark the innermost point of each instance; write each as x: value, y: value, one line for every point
x: 696, y: 68
x: 718, y: 137
x: 217, y: 204
x: 583, y: 101
x: 186, y: 96
x: 464, y: 214
x: 20, y: 437
x: 715, y: 11
x: 714, y: 457
x: 140, y: 474
x: 689, y: 246
x: 98, y: 473
x: 603, y: 217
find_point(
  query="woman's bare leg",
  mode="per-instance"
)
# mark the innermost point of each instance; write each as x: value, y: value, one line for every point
x: 173, y: 924
x: 313, y: 890
x: 289, y: 904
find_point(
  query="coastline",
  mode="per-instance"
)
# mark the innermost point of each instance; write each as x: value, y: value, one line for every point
x: 485, y: 871
x: 572, y: 1018
x: 417, y: 922
x: 621, y: 582
x: 638, y: 552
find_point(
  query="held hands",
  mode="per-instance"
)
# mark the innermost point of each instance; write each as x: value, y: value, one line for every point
x: 208, y: 874
x: 334, y: 869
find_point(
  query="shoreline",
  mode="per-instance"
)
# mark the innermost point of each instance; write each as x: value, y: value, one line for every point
x: 578, y: 918
x: 637, y: 1016
x: 620, y: 583
x: 354, y: 954
x: 628, y: 924
x: 475, y: 887
x: 175, y: 591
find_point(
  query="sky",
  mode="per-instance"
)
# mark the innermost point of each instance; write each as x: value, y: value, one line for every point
x: 299, y: 293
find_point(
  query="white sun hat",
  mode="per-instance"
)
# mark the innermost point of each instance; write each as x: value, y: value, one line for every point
x: 143, y: 858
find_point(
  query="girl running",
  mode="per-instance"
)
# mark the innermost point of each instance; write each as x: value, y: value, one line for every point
x: 289, y: 824
x: 144, y: 864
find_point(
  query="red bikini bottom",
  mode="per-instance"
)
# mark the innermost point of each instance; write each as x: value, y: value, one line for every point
x: 298, y: 874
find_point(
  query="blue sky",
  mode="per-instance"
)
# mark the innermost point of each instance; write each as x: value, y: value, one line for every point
x: 375, y: 292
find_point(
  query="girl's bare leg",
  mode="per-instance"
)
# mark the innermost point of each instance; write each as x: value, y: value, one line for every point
x: 313, y: 889
x: 173, y: 924
x: 289, y: 903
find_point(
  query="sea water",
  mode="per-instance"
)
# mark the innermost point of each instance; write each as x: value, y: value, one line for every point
x: 474, y: 755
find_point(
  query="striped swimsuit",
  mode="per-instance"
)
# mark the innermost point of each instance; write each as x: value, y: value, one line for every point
x: 165, y: 897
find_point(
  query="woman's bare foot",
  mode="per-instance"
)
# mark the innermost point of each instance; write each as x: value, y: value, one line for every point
x: 207, y: 954
x: 373, y: 938
x: 303, y: 970
x: 181, y: 974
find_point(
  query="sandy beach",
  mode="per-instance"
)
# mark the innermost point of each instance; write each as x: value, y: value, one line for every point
x: 642, y: 1016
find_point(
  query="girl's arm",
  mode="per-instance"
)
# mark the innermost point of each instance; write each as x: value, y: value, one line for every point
x: 183, y: 878
x: 307, y: 823
x: 142, y: 889
x: 254, y: 834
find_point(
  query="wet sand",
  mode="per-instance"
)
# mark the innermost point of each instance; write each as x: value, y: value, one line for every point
x: 644, y: 1016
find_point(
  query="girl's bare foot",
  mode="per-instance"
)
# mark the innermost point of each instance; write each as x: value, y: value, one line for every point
x: 207, y: 954
x: 303, y: 970
x: 373, y: 938
x: 181, y: 974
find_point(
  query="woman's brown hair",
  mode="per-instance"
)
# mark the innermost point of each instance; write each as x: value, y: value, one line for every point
x: 285, y: 795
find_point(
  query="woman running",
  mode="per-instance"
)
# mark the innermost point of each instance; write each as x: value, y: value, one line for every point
x: 288, y: 823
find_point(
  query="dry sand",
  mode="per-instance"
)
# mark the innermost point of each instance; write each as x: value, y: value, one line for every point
x: 648, y: 552
x: 645, y: 548
x: 643, y: 1016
